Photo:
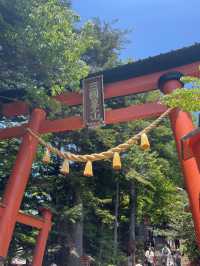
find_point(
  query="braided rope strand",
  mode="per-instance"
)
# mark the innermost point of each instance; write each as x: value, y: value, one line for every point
x: 103, y: 155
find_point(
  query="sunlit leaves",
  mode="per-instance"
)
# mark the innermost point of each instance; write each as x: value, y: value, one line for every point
x: 50, y: 34
x: 41, y: 49
x: 186, y: 99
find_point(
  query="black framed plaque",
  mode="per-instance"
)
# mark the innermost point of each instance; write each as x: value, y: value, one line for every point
x: 93, y: 102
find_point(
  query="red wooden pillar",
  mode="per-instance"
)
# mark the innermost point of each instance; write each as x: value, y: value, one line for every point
x: 181, y: 124
x: 195, y: 146
x: 17, y: 182
x: 42, y: 238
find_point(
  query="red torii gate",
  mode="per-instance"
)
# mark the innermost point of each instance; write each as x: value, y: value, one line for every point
x: 140, y: 77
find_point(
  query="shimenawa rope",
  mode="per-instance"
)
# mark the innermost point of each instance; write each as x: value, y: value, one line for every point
x: 103, y: 155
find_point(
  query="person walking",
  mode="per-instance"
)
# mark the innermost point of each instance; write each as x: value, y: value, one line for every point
x: 178, y: 257
x: 149, y: 256
x: 170, y: 260
x: 166, y: 256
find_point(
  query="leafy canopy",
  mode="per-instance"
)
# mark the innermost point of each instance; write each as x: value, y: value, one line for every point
x: 41, y: 49
x: 186, y: 99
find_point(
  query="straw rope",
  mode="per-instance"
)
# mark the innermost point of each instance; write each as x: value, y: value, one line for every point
x: 103, y: 155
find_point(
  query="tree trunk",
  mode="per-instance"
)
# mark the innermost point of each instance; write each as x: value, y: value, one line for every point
x: 116, y: 220
x: 76, y: 246
x: 132, y: 238
x: 101, y: 246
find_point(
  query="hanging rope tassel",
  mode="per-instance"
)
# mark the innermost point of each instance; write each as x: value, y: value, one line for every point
x: 117, y: 165
x: 47, y: 156
x: 144, y: 142
x: 88, y: 169
x: 64, y: 169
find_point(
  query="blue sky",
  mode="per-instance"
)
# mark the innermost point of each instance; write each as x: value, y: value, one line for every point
x: 157, y: 26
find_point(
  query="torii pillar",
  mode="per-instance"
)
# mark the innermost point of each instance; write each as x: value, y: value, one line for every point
x: 181, y: 123
x: 17, y: 182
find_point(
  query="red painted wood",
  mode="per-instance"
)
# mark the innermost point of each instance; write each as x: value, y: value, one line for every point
x: 194, y: 140
x: 26, y: 219
x: 196, y: 152
x: 15, y: 108
x: 30, y: 220
x: 72, y: 98
x: 111, y: 117
x: 42, y: 239
x: 121, y: 88
x: 1, y: 209
x: 194, y: 143
x: 134, y: 112
x: 131, y: 86
x: 181, y: 123
x: 12, y: 132
x: 145, y: 83
x: 74, y: 123
x: 17, y: 182
x: 60, y: 125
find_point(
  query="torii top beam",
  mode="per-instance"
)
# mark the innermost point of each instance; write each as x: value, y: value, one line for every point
x: 141, y: 76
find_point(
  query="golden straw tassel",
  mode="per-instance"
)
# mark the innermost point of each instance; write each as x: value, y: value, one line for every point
x: 47, y: 156
x: 144, y: 142
x: 88, y: 169
x: 117, y: 165
x: 64, y: 169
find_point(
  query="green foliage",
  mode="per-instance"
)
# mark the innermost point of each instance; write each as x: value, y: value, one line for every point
x: 181, y: 226
x: 155, y: 190
x: 134, y: 175
x: 51, y: 36
x: 73, y: 214
x: 109, y: 42
x: 41, y: 49
x: 186, y: 99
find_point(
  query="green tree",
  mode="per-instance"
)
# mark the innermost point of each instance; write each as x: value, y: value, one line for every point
x: 41, y: 49
x: 186, y: 99
x: 40, y: 56
x: 105, y: 52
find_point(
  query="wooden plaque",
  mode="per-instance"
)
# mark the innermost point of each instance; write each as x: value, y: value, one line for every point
x: 93, y: 102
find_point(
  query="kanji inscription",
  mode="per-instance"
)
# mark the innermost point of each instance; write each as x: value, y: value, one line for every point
x: 93, y: 101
